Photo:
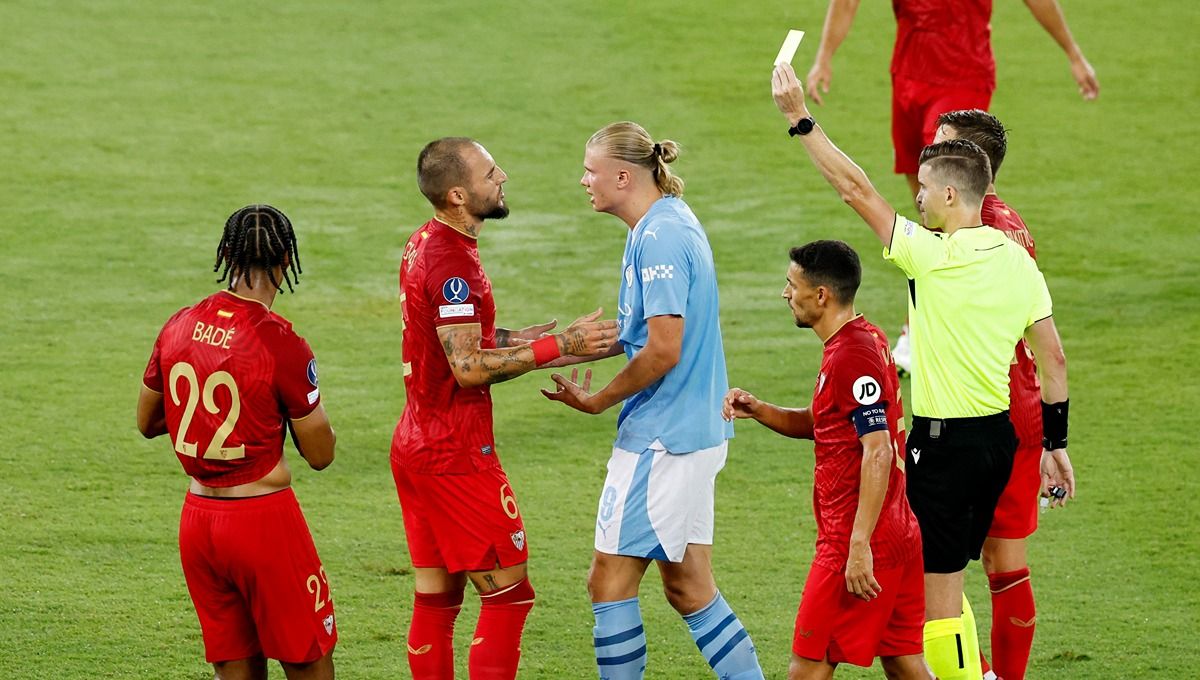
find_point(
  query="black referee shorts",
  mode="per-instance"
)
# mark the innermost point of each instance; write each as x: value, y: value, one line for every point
x: 956, y: 470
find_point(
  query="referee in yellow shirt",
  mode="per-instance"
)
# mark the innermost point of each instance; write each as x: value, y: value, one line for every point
x: 972, y: 294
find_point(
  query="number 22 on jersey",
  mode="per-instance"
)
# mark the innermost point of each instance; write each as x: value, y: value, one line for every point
x: 216, y: 448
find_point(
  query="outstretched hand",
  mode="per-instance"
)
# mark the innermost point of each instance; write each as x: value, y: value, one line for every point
x: 739, y: 404
x: 819, y: 77
x: 531, y: 333
x: 586, y: 336
x: 571, y: 393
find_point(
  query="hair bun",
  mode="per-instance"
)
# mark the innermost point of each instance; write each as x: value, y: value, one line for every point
x: 667, y: 150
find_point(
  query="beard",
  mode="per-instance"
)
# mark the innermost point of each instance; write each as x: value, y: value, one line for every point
x: 489, y: 210
x: 498, y: 212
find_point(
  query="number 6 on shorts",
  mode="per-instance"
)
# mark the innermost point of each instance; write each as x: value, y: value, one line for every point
x: 508, y: 502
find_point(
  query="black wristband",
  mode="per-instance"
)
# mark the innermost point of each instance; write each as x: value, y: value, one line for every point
x: 1054, y: 425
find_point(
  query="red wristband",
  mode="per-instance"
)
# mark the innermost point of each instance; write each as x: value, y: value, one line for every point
x: 545, y: 350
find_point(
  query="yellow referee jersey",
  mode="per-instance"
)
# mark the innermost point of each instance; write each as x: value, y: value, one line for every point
x: 972, y: 294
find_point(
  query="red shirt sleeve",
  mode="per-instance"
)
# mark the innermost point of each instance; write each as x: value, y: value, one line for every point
x: 295, y: 375
x: 454, y: 286
x: 858, y: 384
x: 152, y: 377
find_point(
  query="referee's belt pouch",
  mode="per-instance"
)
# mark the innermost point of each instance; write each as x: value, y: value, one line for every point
x: 935, y: 429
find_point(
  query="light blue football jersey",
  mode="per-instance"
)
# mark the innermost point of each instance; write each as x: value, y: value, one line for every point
x: 668, y: 269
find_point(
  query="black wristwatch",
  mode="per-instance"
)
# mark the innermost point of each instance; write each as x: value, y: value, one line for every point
x: 802, y: 127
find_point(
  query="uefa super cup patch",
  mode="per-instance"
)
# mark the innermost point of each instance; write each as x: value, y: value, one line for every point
x: 312, y: 380
x: 658, y: 271
x: 456, y: 290
x: 312, y: 372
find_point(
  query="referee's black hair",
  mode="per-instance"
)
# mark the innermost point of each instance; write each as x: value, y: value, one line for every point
x: 258, y: 236
x: 980, y: 127
x: 832, y: 264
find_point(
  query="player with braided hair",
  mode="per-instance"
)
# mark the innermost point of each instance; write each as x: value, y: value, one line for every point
x: 259, y: 236
x: 252, y: 373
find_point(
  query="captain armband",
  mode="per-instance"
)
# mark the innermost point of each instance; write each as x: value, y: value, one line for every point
x: 870, y: 418
x: 1054, y: 425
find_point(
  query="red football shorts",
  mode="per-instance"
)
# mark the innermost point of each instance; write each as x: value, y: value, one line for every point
x: 255, y: 579
x: 1016, y: 513
x: 463, y: 522
x: 834, y: 625
x: 916, y: 106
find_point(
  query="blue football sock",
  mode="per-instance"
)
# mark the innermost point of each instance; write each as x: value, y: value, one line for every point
x: 723, y: 641
x: 620, y: 640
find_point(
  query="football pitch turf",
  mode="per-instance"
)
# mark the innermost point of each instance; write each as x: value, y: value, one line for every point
x: 131, y: 130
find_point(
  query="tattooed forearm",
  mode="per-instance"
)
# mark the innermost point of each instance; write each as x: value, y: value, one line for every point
x: 501, y: 365
x: 474, y: 366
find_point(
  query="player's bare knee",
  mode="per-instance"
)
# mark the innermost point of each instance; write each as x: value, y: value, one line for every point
x: 254, y: 668
x: 987, y: 557
x: 321, y: 669
x: 594, y: 585
x: 795, y: 669
x: 803, y: 669
x: 1001, y: 555
x: 686, y: 597
x: 905, y: 668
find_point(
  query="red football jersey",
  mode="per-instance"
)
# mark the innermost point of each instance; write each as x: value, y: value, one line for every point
x: 1024, y: 388
x: 445, y: 428
x: 231, y: 371
x: 858, y: 376
x: 945, y: 42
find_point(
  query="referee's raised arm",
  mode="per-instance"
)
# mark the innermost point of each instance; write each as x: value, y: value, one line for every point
x: 839, y: 170
x: 961, y: 446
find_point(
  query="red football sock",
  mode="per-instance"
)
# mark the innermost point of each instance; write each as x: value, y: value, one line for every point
x: 983, y: 664
x: 431, y: 635
x: 496, y: 649
x: 1013, y: 620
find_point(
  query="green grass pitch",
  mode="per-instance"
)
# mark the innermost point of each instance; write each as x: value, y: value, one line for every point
x: 130, y: 130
